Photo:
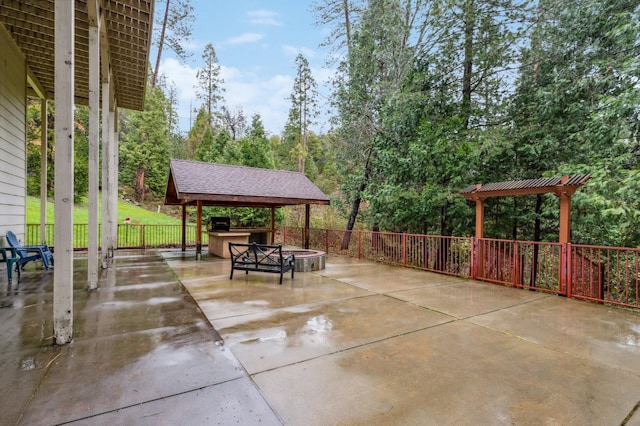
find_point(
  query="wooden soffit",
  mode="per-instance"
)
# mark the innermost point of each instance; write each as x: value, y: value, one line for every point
x: 127, y: 26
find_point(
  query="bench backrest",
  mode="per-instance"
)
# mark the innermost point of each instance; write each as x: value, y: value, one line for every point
x: 264, y: 254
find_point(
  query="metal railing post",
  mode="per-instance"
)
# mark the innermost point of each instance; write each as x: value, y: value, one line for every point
x: 404, y: 249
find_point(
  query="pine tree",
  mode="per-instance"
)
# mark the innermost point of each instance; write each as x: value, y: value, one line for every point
x: 210, y: 88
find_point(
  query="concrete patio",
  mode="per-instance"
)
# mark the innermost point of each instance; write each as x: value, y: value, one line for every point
x: 170, y: 340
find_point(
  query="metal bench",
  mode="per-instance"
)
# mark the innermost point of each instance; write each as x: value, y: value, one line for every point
x: 260, y: 258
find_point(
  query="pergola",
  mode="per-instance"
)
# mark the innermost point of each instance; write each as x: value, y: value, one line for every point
x: 561, y: 186
x: 199, y: 184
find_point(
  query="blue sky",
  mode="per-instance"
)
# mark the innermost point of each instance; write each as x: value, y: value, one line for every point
x: 256, y: 43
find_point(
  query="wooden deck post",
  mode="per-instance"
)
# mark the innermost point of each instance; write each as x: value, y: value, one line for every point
x: 64, y: 132
x: 44, y: 141
x: 113, y: 178
x: 106, y: 245
x: 94, y: 144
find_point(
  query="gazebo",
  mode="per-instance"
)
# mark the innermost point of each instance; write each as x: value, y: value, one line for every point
x: 199, y: 184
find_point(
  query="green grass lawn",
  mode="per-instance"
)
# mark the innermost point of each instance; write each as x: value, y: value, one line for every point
x: 137, y: 215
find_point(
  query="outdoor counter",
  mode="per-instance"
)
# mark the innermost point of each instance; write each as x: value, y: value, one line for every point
x: 219, y: 242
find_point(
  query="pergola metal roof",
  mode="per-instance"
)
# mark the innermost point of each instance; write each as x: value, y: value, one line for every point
x: 238, y: 186
x: 126, y: 35
x: 556, y: 184
x: 561, y: 186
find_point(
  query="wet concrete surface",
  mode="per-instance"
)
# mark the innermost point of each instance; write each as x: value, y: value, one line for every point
x: 364, y: 343
x: 169, y: 340
x: 143, y: 353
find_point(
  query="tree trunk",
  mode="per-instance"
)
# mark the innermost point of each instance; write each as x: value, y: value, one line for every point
x: 347, y: 24
x: 160, y: 46
x: 355, y: 207
x: 140, y: 184
x: 468, y: 63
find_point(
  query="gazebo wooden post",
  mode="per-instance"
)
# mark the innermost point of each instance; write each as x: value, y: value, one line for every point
x: 565, y: 231
x: 199, y: 232
x: 273, y: 225
x: 184, y: 227
x: 307, y: 215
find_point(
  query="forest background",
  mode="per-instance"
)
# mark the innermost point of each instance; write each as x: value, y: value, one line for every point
x: 428, y: 98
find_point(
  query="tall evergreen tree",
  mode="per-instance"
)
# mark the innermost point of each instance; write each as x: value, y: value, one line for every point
x: 174, y: 30
x: 303, y: 111
x: 378, y: 62
x: 210, y: 88
x: 144, y: 148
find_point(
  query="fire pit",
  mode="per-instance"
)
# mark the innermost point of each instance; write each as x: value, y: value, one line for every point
x: 307, y: 260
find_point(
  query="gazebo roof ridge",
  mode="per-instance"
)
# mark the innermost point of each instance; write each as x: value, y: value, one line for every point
x: 236, y: 166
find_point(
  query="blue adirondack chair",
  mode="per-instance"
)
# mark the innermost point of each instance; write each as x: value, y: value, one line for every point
x: 30, y: 253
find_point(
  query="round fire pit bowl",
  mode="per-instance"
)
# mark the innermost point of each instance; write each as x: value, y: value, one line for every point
x: 306, y: 260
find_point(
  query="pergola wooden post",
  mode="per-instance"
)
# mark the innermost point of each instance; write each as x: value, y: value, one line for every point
x: 563, y: 187
x: 478, y: 265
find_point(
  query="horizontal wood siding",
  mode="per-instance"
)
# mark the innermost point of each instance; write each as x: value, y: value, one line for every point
x: 13, y: 89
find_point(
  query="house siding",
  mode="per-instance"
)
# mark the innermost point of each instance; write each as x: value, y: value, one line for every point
x: 13, y: 100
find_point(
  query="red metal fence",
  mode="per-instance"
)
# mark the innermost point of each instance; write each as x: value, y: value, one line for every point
x: 599, y: 274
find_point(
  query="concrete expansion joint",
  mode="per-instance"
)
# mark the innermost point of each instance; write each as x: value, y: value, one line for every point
x: 38, y: 387
x: 164, y: 397
x: 631, y: 414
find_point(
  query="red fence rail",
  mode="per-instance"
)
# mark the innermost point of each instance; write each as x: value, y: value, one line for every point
x: 600, y: 274
x: 446, y: 255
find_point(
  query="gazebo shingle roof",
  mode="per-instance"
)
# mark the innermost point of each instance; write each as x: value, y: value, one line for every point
x: 240, y: 186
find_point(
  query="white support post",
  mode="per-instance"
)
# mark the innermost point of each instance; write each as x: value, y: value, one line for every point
x: 113, y: 178
x: 64, y: 128
x: 107, y: 245
x: 44, y: 140
x: 94, y: 152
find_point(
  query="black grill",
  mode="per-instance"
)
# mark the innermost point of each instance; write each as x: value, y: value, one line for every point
x: 217, y: 224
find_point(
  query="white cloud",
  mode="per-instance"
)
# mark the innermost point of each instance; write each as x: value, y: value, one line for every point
x: 182, y: 75
x: 293, y: 51
x: 244, y: 39
x: 268, y: 97
x: 264, y: 17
